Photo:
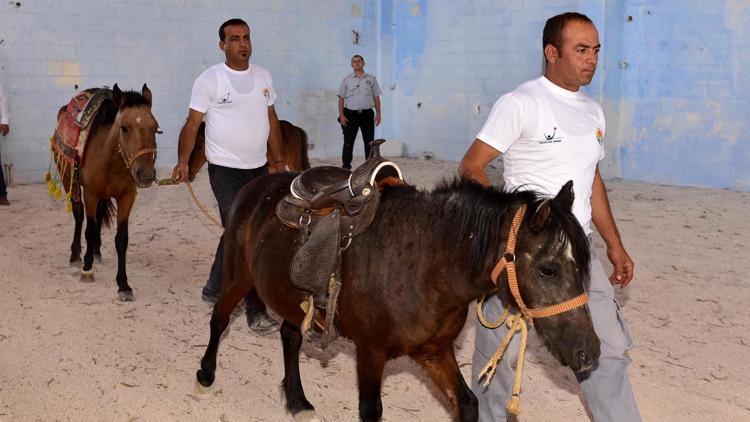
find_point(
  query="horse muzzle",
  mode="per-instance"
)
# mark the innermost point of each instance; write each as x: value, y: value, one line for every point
x: 144, y: 178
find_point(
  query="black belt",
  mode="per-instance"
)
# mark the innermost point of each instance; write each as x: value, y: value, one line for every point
x: 358, y: 111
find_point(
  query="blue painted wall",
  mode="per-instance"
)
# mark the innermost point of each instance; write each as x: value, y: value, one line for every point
x: 669, y: 80
x: 669, y: 74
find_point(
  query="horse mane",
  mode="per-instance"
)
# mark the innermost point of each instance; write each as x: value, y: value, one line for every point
x: 480, y: 211
x: 108, y: 109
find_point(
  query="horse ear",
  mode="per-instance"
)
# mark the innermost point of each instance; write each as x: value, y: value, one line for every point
x: 117, y: 96
x: 146, y: 94
x: 539, y: 219
x: 565, y: 197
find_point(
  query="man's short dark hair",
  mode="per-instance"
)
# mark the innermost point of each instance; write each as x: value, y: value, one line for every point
x: 555, y: 25
x: 230, y: 22
x: 356, y: 56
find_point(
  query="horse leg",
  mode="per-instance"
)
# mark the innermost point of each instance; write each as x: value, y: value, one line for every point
x: 370, y: 364
x: 90, y: 201
x: 236, y: 284
x: 101, y: 215
x: 296, y: 402
x: 75, y: 247
x: 443, y: 370
x: 124, y: 205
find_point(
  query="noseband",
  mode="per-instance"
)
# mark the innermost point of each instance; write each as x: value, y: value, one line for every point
x: 129, y: 160
x: 508, y: 263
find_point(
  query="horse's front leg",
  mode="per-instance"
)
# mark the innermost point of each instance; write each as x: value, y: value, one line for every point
x: 124, y: 205
x: 90, y: 201
x: 236, y: 284
x: 296, y: 402
x: 75, y: 247
x: 443, y: 369
x: 370, y: 364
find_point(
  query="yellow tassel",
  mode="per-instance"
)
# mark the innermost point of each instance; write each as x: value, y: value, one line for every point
x: 514, y: 405
x: 51, y: 189
x: 57, y: 194
x: 47, y: 177
x: 69, y: 207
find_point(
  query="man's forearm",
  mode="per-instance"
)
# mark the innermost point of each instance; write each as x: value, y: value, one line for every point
x: 187, y: 142
x: 601, y: 213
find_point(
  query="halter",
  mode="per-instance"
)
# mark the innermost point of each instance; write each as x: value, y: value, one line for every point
x: 508, y: 263
x: 130, y: 160
x: 517, y: 323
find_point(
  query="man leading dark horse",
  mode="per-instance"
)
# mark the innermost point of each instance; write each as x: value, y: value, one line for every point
x: 548, y: 132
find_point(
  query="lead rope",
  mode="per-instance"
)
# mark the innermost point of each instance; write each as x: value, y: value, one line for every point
x: 171, y: 181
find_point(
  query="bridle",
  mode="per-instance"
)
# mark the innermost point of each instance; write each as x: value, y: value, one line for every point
x: 129, y: 160
x: 507, y: 263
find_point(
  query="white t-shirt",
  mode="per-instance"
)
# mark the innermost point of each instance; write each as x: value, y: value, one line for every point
x: 236, y: 107
x: 548, y: 135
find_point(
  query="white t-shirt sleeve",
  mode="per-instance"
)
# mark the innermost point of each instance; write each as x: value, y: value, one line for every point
x: 504, y: 124
x: 204, y: 89
x: 271, y: 97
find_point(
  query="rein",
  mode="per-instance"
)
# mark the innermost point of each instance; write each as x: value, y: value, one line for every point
x: 171, y: 181
x: 517, y: 322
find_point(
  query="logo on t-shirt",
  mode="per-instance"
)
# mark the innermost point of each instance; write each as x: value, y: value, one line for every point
x: 550, y: 138
x: 225, y: 99
x: 599, y: 135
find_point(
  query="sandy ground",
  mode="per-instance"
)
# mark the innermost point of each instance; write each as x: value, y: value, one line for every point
x: 70, y: 351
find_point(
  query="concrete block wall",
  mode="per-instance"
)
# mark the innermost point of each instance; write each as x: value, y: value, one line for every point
x: 51, y: 48
x: 669, y: 76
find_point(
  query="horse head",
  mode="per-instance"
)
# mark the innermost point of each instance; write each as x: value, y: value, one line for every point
x: 552, y: 264
x: 136, y: 133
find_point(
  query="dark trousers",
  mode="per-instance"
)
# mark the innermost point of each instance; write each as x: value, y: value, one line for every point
x: 364, y: 119
x: 3, y: 191
x: 225, y: 183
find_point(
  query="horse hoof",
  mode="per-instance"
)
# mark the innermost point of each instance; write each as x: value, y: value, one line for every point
x: 75, y: 266
x: 202, y: 390
x: 125, y: 296
x: 204, y: 378
x: 87, y: 276
x: 98, y: 259
x: 306, y: 416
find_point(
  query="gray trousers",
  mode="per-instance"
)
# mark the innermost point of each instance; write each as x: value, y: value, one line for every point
x: 607, y: 389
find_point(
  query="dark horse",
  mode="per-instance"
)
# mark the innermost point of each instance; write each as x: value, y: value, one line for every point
x: 293, y: 149
x: 409, y: 279
x: 119, y: 156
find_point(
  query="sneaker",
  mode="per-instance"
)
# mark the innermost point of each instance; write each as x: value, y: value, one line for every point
x: 261, y: 323
x: 4, y: 202
x: 209, y: 297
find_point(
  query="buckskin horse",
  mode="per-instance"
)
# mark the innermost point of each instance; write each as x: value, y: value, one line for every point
x: 119, y: 156
x: 410, y: 277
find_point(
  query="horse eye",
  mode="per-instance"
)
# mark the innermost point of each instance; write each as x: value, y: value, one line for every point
x: 546, y: 272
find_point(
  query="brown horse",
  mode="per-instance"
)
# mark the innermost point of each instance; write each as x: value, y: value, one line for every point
x: 293, y: 149
x: 119, y: 156
x: 409, y: 279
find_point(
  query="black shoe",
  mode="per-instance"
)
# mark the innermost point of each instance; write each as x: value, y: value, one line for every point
x: 261, y: 323
x: 4, y: 201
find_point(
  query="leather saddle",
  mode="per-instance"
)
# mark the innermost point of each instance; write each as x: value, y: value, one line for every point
x: 330, y: 206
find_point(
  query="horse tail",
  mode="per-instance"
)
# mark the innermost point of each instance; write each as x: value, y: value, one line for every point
x: 105, y: 209
x: 303, y: 149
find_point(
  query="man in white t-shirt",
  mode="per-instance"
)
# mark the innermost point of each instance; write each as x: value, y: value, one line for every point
x: 236, y: 99
x: 548, y: 132
x: 4, y: 129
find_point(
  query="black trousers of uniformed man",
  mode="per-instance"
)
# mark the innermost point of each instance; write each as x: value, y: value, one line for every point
x: 364, y: 119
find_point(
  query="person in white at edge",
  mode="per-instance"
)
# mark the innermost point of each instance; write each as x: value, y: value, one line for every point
x: 236, y: 99
x: 548, y: 132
